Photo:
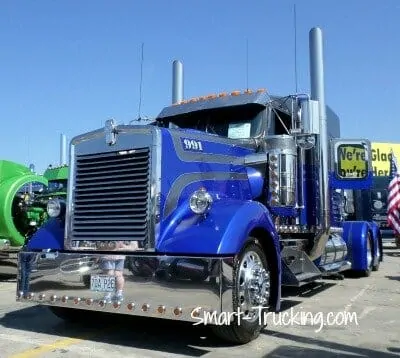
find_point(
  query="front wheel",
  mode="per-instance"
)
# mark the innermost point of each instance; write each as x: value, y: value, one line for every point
x: 250, y: 295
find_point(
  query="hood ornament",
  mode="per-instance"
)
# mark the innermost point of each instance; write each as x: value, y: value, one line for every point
x: 110, y: 132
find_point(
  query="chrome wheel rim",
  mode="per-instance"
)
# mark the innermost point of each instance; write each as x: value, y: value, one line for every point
x: 369, y: 253
x: 253, y: 286
x: 378, y: 254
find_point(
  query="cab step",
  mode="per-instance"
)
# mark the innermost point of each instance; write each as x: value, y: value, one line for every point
x: 297, y: 268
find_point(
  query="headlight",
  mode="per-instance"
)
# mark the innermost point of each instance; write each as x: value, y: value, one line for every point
x: 200, y: 201
x: 55, y: 207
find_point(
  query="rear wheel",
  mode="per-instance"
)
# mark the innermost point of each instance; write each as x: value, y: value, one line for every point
x: 250, y: 295
x: 378, y: 255
x: 370, y: 256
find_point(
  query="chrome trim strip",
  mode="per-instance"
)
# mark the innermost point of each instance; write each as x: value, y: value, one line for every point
x: 155, y: 188
x: 191, y: 156
x: 70, y: 193
x: 171, y: 202
x: 162, y: 286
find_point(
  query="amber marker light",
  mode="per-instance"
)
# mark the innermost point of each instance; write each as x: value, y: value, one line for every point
x: 161, y: 309
x: 177, y: 311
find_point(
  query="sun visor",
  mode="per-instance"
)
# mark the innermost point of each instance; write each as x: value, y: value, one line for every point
x: 222, y: 100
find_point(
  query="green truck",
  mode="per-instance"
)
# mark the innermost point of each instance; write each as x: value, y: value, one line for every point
x: 24, y: 196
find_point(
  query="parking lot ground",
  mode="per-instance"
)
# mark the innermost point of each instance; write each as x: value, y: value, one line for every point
x: 372, y: 306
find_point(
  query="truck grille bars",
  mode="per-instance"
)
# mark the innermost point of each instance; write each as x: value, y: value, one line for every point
x: 111, y: 196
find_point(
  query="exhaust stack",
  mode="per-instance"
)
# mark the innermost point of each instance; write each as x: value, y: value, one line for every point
x: 318, y: 94
x: 63, y: 150
x: 177, y: 82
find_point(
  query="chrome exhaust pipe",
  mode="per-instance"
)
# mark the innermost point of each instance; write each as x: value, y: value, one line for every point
x: 177, y: 82
x: 63, y: 150
x: 318, y: 94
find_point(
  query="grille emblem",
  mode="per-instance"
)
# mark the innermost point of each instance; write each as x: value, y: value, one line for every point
x: 110, y: 132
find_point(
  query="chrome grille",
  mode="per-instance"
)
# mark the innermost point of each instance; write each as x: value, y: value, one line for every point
x: 111, y: 195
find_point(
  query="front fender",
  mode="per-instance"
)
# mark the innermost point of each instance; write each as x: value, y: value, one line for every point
x: 49, y: 236
x: 355, y: 236
x: 223, y: 231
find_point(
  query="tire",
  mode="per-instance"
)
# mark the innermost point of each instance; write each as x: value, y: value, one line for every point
x: 141, y: 268
x: 378, y: 256
x: 241, y: 330
x: 370, y: 258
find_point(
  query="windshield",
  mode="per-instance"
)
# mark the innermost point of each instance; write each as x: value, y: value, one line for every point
x: 240, y: 122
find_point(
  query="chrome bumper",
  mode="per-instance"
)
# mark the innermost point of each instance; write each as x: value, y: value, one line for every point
x: 181, y: 288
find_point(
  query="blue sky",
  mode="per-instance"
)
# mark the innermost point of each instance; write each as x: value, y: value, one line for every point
x: 67, y: 66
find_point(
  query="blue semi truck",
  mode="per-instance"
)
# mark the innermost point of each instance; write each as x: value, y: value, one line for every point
x: 210, y: 209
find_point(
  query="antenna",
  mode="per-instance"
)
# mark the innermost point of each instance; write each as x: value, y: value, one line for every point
x: 140, y: 85
x: 247, y: 63
x: 295, y: 44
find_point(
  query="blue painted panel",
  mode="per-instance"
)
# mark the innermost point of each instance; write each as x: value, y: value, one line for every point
x: 49, y: 236
x: 365, y: 183
x: 222, y: 231
x: 180, y: 178
x: 355, y: 236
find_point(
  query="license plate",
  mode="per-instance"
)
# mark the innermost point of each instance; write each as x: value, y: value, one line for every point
x: 102, y: 283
